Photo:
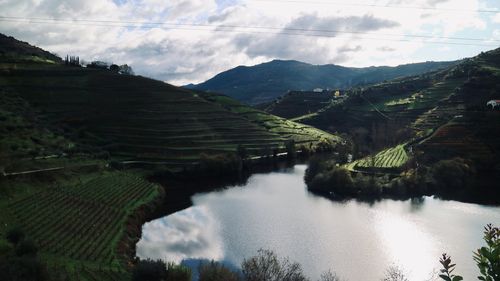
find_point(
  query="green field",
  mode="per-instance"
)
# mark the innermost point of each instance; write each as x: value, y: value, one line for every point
x: 390, y: 158
x: 81, y: 227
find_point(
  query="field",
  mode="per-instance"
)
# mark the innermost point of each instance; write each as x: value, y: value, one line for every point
x: 81, y: 228
x: 390, y: 158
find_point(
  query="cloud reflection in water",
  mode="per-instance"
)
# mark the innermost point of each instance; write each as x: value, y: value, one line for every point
x: 191, y: 233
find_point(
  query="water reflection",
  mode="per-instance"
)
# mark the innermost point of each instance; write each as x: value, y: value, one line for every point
x: 191, y: 233
x: 357, y: 240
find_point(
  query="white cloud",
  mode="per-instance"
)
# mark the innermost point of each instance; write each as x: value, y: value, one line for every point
x: 496, y: 18
x: 201, y: 38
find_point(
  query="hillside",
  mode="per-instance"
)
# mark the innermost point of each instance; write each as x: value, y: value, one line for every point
x: 451, y: 103
x: 265, y: 82
x: 134, y: 118
x: 12, y: 50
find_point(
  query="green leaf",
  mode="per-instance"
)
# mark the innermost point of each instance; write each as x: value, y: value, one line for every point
x: 457, y: 278
x: 444, y: 277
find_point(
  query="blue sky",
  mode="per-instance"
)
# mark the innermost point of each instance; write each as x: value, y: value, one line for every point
x: 200, y: 38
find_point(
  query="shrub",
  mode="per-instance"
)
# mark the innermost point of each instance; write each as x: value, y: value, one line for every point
x: 220, y: 164
x: 448, y: 268
x: 266, y: 266
x: 214, y: 271
x: 177, y: 272
x: 330, y: 276
x: 335, y: 179
x: 150, y: 270
x: 395, y: 273
x: 452, y: 174
x: 487, y: 258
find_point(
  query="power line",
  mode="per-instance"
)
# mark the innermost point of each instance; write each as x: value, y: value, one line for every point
x: 383, y: 6
x: 231, y: 29
x: 139, y: 23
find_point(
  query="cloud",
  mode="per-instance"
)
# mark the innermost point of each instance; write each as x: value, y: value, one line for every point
x: 200, y: 38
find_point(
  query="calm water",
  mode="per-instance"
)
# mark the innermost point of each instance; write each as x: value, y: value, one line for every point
x: 356, y: 240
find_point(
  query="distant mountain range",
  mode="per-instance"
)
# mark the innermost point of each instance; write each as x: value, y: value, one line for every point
x: 267, y: 81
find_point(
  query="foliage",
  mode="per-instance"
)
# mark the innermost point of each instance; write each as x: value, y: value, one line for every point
x: 336, y: 179
x: 394, y: 273
x: 330, y: 276
x: 266, y: 266
x: 487, y: 257
x: 214, y: 271
x: 452, y: 174
x: 220, y: 164
x: 150, y: 270
x: 178, y: 272
x: 448, y: 268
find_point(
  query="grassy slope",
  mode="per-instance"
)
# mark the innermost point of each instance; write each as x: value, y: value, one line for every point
x: 391, y: 158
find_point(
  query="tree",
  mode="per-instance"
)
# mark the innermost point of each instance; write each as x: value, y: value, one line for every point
x: 487, y: 257
x: 214, y: 271
x: 395, y: 273
x: 266, y: 266
x: 290, y: 149
x: 330, y: 276
x: 125, y: 69
x: 114, y: 68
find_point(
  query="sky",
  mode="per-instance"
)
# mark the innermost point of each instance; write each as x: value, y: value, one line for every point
x: 190, y: 41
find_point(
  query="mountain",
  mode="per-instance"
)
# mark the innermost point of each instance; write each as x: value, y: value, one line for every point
x: 265, y: 82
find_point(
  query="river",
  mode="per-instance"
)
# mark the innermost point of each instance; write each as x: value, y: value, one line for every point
x: 357, y: 240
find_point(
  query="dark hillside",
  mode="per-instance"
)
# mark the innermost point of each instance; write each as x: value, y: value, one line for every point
x: 12, y: 50
x: 136, y: 118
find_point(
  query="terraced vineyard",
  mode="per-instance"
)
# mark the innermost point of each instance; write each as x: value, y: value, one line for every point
x: 390, y: 158
x: 142, y: 119
x: 78, y: 228
x: 456, y: 140
x: 295, y: 104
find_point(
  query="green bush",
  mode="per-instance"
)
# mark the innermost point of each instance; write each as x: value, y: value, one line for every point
x: 336, y: 179
x: 178, y: 272
x: 220, y: 164
x: 214, y: 271
x: 487, y: 257
x: 453, y: 174
x: 150, y: 270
